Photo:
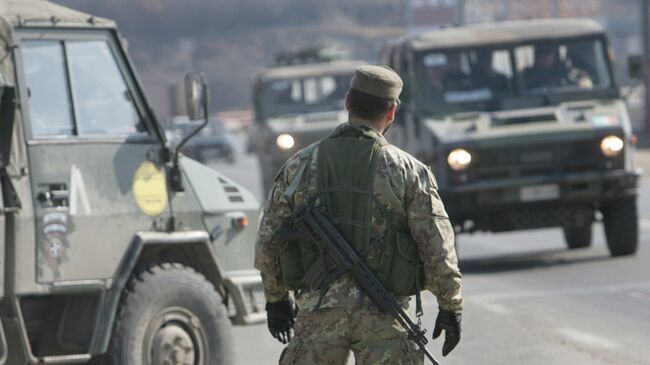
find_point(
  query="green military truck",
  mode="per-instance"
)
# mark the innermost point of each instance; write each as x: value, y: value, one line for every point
x: 113, y: 248
x: 297, y: 104
x: 523, y: 125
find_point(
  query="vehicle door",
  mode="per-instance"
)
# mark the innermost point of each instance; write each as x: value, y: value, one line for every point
x: 91, y: 144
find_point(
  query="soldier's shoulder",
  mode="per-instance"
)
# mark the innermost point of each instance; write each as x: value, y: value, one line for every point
x: 294, y: 162
x: 394, y: 155
x: 306, y: 153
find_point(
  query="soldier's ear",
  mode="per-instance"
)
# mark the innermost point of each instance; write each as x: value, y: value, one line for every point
x: 347, y: 101
x: 390, y: 114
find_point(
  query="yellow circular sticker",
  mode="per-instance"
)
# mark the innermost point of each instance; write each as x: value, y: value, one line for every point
x: 150, y: 189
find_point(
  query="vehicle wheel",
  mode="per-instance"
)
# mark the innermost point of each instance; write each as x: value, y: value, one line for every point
x: 621, y: 222
x: 577, y: 237
x: 170, y: 314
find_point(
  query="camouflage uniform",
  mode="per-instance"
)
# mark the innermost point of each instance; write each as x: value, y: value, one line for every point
x: 345, y: 319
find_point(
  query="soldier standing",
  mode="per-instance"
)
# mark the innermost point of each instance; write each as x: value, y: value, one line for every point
x: 385, y: 203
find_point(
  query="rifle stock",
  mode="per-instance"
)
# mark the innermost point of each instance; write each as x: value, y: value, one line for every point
x: 332, y: 246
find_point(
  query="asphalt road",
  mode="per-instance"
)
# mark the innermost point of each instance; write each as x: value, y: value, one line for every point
x: 528, y: 299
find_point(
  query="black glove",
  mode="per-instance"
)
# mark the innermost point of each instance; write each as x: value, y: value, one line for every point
x: 280, y: 317
x: 450, y: 322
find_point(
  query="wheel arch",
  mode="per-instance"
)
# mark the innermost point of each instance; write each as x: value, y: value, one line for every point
x: 190, y: 248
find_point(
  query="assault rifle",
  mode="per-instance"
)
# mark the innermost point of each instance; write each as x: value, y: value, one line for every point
x: 337, y: 257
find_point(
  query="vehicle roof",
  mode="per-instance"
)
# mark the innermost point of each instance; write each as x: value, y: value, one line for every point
x: 309, y: 70
x: 513, y: 31
x: 26, y: 13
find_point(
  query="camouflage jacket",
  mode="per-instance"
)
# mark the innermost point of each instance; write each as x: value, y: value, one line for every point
x: 400, y: 180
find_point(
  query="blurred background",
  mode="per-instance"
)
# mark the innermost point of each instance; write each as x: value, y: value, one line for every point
x: 231, y: 40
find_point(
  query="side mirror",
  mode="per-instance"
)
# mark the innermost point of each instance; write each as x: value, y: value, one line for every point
x: 196, y: 96
x: 197, y: 104
x: 635, y: 67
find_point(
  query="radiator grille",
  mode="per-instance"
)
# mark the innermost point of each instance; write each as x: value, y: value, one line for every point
x: 535, y: 160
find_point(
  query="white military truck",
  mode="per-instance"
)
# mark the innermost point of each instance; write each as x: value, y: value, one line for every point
x: 523, y: 125
x: 113, y: 247
x: 297, y: 102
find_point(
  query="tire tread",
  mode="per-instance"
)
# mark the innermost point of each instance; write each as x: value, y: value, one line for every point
x: 132, y: 297
x: 621, y: 222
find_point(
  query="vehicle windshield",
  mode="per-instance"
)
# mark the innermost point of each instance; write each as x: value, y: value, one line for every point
x: 485, y: 78
x: 303, y: 95
x: 574, y: 66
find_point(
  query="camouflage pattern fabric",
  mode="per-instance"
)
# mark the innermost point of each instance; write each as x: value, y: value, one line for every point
x: 402, y: 184
x: 326, y: 337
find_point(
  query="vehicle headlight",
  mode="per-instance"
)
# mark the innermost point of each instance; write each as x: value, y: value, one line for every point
x: 459, y: 159
x: 611, y: 146
x: 285, y: 141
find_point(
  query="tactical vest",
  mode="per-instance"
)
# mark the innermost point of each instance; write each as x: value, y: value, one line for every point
x: 347, y: 161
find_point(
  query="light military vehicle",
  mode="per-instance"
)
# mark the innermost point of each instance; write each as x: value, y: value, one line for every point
x: 523, y: 125
x: 113, y: 248
x: 297, y: 102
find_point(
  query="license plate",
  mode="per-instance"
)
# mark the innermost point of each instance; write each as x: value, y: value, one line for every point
x: 539, y: 192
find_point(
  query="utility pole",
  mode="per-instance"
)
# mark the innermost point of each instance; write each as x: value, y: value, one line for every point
x: 645, y: 34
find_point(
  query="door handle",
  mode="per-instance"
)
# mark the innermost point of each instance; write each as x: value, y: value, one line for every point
x: 55, y: 196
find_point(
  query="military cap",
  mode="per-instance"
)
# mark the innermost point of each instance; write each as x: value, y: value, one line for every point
x: 379, y: 81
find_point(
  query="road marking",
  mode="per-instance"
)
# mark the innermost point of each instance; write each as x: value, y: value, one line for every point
x: 638, y: 294
x: 494, y: 307
x: 587, y: 338
x: 645, y: 223
x: 524, y: 294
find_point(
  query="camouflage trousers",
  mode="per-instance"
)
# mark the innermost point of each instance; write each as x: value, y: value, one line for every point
x: 328, y: 335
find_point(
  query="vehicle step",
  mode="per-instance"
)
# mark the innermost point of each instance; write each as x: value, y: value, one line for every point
x: 247, y: 295
x: 66, y: 359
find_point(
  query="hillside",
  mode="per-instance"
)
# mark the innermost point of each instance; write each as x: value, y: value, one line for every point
x: 230, y: 40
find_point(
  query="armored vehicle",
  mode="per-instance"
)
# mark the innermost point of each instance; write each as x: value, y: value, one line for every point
x: 296, y: 105
x: 523, y: 125
x: 113, y: 247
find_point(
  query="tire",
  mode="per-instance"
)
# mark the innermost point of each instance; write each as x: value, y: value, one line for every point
x: 171, y: 308
x: 577, y: 237
x: 621, y: 222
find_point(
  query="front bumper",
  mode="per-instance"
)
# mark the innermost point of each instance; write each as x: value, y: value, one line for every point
x: 574, y: 197
x: 245, y: 297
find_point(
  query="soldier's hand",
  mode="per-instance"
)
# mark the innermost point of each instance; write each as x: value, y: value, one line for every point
x: 450, y: 323
x: 280, y: 317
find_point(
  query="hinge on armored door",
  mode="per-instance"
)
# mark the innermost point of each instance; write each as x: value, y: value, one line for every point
x: 9, y: 194
x: 154, y: 155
